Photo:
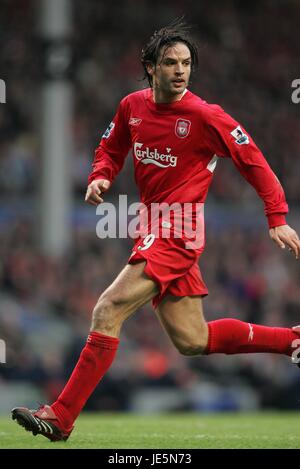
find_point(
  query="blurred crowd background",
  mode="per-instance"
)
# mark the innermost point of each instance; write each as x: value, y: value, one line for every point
x: 248, y: 57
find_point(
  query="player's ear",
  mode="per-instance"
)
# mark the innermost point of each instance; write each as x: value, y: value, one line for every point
x: 150, y: 68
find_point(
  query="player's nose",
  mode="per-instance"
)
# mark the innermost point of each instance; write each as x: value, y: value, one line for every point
x: 179, y: 69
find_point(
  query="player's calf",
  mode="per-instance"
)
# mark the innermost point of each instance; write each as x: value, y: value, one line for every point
x: 191, y: 345
x: 190, y: 349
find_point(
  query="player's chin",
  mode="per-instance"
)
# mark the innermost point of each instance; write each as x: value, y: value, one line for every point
x: 178, y: 88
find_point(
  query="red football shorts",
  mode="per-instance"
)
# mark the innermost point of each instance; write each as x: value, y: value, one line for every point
x: 173, y: 268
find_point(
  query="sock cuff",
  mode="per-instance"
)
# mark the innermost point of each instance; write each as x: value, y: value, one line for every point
x: 103, y: 341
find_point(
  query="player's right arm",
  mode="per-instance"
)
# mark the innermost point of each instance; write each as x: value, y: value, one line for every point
x: 109, y: 155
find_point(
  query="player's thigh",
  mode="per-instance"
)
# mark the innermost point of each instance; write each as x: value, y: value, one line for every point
x: 183, y: 320
x: 131, y: 289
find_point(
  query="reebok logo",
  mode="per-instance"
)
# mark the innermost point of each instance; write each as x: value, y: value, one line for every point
x: 251, y: 332
x: 135, y: 121
x: 148, y: 156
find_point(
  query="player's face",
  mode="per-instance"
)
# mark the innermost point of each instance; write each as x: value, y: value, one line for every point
x: 172, y: 72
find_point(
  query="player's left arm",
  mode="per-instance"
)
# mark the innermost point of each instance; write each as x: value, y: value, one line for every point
x: 230, y: 139
x: 284, y: 235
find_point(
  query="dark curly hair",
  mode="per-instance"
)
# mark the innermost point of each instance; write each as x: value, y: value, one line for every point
x: 177, y: 31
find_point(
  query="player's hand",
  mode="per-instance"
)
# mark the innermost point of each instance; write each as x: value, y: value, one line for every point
x: 94, y: 191
x: 285, y: 236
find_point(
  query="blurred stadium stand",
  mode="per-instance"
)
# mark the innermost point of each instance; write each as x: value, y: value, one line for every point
x: 249, y: 55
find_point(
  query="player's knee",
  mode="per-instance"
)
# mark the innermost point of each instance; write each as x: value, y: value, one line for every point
x: 107, y: 313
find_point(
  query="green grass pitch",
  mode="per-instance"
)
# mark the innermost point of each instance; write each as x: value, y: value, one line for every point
x: 177, y: 430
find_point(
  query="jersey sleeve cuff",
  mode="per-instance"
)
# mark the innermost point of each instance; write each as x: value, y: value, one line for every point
x: 276, y: 219
x: 93, y: 176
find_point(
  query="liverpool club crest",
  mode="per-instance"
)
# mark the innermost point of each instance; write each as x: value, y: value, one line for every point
x: 182, y: 128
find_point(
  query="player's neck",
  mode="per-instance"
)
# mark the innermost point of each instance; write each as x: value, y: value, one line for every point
x: 162, y: 98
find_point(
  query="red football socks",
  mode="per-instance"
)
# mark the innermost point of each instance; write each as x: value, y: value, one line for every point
x: 95, y: 359
x: 232, y: 336
x: 228, y: 336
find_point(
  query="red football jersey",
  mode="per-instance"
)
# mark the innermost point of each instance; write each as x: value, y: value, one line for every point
x: 175, y: 149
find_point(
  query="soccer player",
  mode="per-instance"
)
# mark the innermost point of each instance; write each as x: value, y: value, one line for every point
x: 176, y: 139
